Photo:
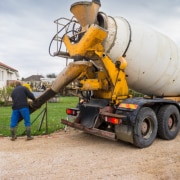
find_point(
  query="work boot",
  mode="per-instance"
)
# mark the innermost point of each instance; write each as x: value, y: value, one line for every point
x: 28, y: 133
x: 13, y: 134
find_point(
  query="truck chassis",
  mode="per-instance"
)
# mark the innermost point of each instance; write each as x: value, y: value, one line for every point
x: 135, y: 120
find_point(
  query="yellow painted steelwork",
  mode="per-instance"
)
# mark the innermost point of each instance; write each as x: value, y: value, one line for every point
x: 91, y: 41
x: 116, y: 76
x: 100, y: 83
x: 123, y: 63
x: 109, y: 82
x: 93, y: 84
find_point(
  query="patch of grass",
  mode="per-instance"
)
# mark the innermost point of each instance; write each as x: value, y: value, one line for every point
x: 55, y: 112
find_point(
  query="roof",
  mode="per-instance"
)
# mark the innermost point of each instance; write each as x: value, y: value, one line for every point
x: 7, y: 67
x: 33, y: 78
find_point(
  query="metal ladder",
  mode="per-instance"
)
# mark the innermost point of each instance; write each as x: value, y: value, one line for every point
x: 64, y: 27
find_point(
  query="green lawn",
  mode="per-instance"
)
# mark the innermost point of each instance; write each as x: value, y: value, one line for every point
x: 55, y: 112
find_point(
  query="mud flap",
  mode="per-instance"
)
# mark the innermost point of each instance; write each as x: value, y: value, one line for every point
x: 88, y: 115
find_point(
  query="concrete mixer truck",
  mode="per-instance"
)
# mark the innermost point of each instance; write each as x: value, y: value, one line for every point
x: 109, y: 56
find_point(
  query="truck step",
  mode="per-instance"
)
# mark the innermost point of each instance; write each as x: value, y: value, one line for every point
x: 94, y: 131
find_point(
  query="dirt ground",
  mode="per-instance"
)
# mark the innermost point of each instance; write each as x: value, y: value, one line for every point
x: 78, y: 155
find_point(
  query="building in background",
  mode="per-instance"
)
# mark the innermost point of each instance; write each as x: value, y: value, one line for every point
x: 7, y: 75
x: 34, y: 81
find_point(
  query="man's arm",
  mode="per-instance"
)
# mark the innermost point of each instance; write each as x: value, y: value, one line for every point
x: 29, y: 94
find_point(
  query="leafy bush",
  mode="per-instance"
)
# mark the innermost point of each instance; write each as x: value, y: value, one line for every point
x: 5, y: 94
x: 135, y: 94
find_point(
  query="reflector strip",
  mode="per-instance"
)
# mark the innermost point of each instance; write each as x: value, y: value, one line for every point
x: 128, y: 106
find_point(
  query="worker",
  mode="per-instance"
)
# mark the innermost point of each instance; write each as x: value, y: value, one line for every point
x: 20, y: 109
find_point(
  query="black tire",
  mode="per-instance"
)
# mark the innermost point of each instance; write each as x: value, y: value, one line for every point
x: 168, y: 122
x: 145, y: 129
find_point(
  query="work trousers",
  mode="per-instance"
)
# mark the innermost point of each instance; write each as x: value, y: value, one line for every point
x: 20, y: 113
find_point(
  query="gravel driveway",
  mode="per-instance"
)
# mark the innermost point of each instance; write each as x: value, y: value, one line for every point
x: 77, y: 155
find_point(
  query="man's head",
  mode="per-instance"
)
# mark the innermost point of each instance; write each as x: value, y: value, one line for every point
x: 18, y: 83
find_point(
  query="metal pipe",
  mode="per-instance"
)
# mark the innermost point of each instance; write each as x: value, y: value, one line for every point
x: 69, y: 74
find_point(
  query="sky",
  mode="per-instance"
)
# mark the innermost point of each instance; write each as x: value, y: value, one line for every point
x: 27, y: 27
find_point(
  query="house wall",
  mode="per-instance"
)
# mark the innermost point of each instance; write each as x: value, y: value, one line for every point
x: 6, y: 75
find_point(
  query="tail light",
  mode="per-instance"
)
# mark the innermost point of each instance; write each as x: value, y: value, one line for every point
x: 128, y: 106
x: 72, y: 112
x: 113, y: 120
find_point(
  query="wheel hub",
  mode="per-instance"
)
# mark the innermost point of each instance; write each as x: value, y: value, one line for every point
x: 144, y: 128
x: 170, y: 122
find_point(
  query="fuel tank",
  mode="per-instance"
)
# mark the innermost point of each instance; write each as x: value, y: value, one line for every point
x: 153, y: 59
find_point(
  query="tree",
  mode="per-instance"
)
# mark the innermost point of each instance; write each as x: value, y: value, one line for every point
x: 53, y: 75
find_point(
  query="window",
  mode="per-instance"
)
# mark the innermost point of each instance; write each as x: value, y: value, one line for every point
x: 1, y: 75
x: 9, y: 76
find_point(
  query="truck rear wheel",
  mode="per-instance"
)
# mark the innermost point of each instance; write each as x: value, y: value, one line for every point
x: 168, y: 122
x: 145, y: 129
